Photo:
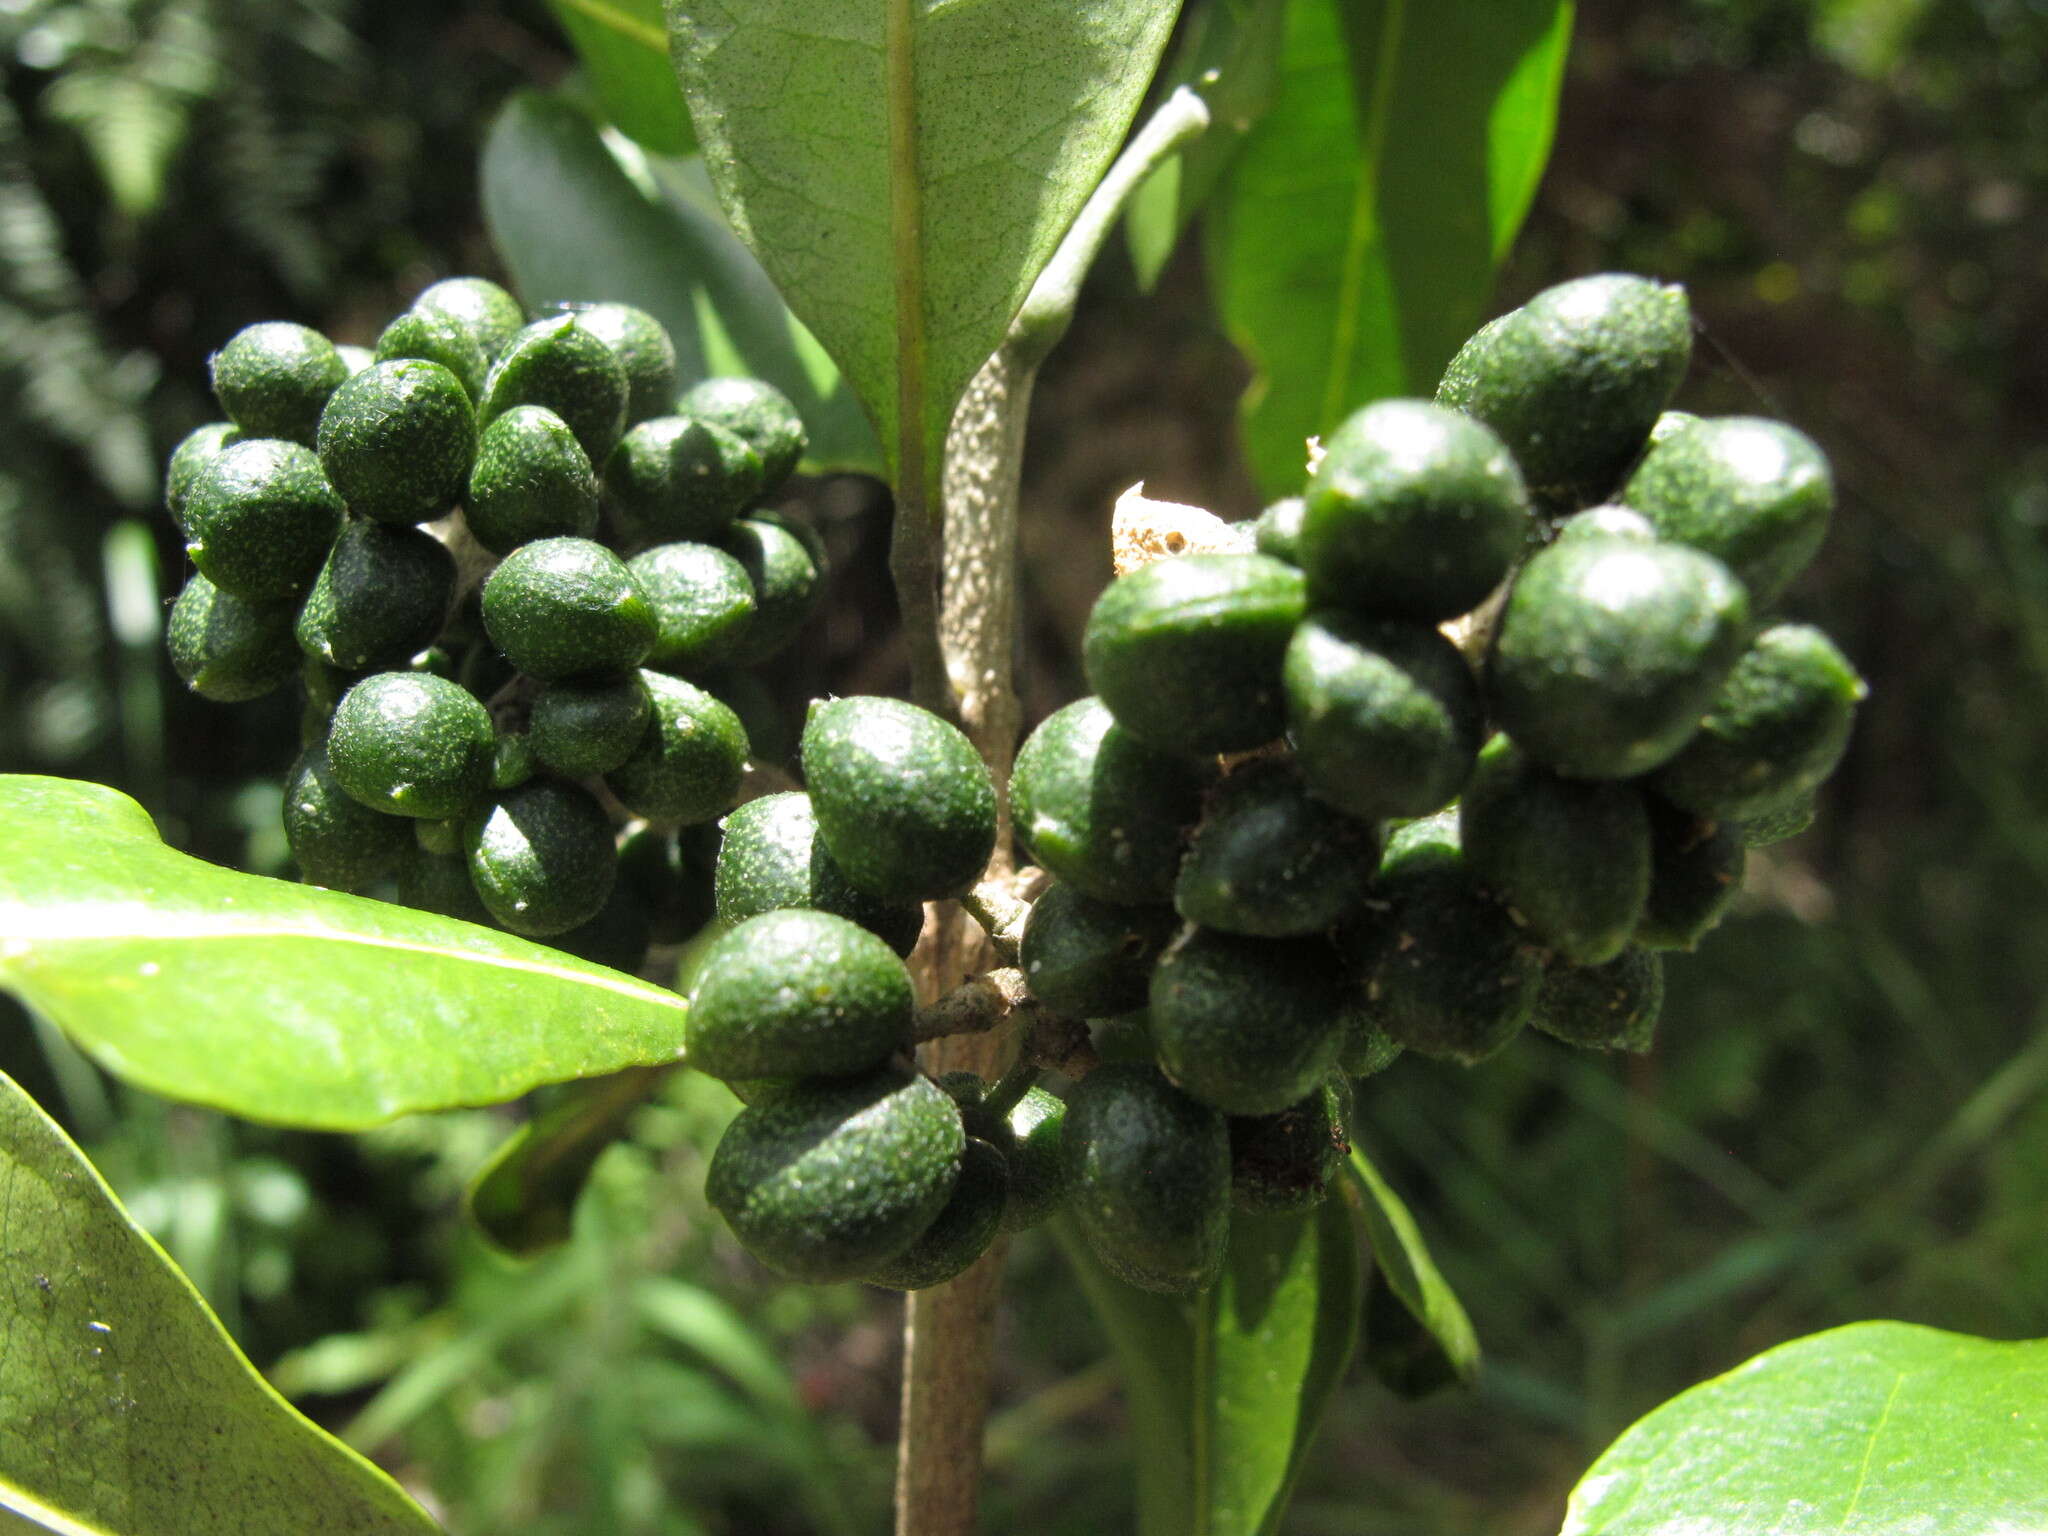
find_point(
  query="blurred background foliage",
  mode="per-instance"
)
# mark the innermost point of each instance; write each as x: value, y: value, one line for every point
x: 1846, y: 1116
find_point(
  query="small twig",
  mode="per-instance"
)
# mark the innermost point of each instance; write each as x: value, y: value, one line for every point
x: 1003, y: 1094
x: 972, y: 1008
x: 1001, y: 915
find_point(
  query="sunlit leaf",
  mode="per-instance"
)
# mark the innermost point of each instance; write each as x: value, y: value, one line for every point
x: 1407, y: 1270
x: 624, y: 49
x: 283, y: 1002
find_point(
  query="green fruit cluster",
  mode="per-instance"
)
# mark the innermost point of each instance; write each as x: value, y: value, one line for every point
x: 483, y: 694
x: 1482, y: 724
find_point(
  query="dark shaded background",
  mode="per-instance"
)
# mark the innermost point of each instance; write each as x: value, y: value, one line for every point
x: 1845, y: 1117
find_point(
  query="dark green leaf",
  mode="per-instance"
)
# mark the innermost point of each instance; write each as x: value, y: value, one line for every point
x: 1230, y: 56
x: 1876, y: 1429
x: 128, y: 1410
x: 285, y: 1002
x: 1354, y: 240
x: 524, y: 1197
x: 1406, y: 1269
x: 572, y: 224
x: 624, y: 49
x: 905, y: 169
x: 1226, y: 1389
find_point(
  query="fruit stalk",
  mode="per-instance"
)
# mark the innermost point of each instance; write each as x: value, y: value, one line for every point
x: 949, y: 1330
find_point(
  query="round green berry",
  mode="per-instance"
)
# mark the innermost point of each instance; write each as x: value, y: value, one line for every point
x: 690, y: 759
x: 412, y: 744
x: 703, y: 605
x: 586, y: 726
x: 226, y: 649
x: 645, y: 353
x: 1612, y: 1006
x: 1606, y: 522
x: 440, y: 883
x: 531, y: 480
x: 1283, y: 1163
x: 541, y: 856
x: 1186, y: 653
x: 259, y: 519
x: 1089, y: 958
x: 561, y: 608
x: 478, y: 305
x: 758, y: 414
x: 675, y: 477
x: 788, y: 576
x: 557, y: 363
x: 1278, y: 529
x: 1696, y: 869
x: 963, y: 1229
x: 273, y: 379
x: 1100, y: 809
x: 903, y: 801
x: 1029, y: 1139
x: 1270, y: 860
x: 380, y: 599
x: 797, y: 993
x: 771, y: 858
x: 435, y: 336
x: 1385, y: 716
x: 1246, y: 1025
x: 194, y: 452
x: 1416, y: 512
x: 335, y: 840
x: 512, y: 762
x: 398, y: 439
x: 831, y: 1179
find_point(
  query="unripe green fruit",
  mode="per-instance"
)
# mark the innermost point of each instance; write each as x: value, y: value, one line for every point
x: 1149, y: 1173
x: 273, y: 379
x: 1415, y: 512
x: 1036, y: 1126
x: 1368, y: 1049
x: 194, y: 452
x: 1573, y: 381
x: 757, y: 413
x: 903, y: 800
x: 259, y: 519
x: 335, y: 840
x: 1607, y: 1007
x: 479, y: 306
x: 703, y: 605
x: 830, y: 1180
x: 1271, y: 861
x: 1089, y: 958
x: 672, y: 882
x: 531, y: 480
x: 562, y: 608
x: 617, y: 937
x: 1125, y: 1038
x: 689, y: 762
x: 788, y: 578
x: 646, y: 355
x: 1570, y: 856
x: 435, y: 336
x: 1774, y: 732
x: 1447, y: 972
x: 228, y: 650
x: 1278, y: 530
x: 322, y: 687
x: 398, y: 440
x: 963, y: 1229
x: 798, y: 994
x: 1284, y: 1162
x: 542, y: 857
x: 557, y: 363
x: 1100, y: 809
x: 1606, y: 522
x: 1186, y: 652
x: 1696, y: 869
x: 771, y: 858
x: 412, y: 744
x: 439, y: 882
x: 512, y: 762
x: 1247, y: 1026
x: 379, y: 600
x: 1385, y: 717
x: 1609, y: 651
x: 1753, y: 493
x: 589, y: 726
x: 675, y: 477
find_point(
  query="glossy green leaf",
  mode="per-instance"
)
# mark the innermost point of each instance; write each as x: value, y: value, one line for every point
x: 1353, y: 243
x: 282, y: 1002
x: 1410, y: 1274
x: 624, y: 48
x: 1876, y: 1429
x: 125, y: 1409
x: 904, y: 168
x: 573, y: 223
x: 1230, y: 57
x: 1226, y: 1389
x: 523, y: 1199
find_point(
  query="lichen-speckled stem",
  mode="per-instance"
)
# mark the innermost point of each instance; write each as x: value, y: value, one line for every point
x: 949, y: 1330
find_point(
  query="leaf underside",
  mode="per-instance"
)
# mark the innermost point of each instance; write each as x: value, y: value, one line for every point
x: 125, y: 1409
x: 287, y: 1003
